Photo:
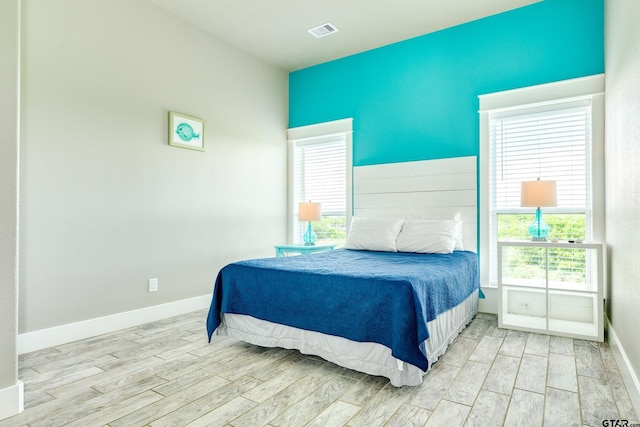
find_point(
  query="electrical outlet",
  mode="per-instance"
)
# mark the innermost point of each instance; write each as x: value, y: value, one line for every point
x: 153, y: 285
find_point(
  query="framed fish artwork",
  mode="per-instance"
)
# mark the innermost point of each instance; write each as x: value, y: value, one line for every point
x: 186, y: 131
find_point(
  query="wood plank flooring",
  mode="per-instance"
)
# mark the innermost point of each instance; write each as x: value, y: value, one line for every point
x: 166, y: 374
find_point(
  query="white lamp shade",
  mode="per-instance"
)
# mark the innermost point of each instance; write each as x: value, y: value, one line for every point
x: 308, y: 211
x: 536, y: 194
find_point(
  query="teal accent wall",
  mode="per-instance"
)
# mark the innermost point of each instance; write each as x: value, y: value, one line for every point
x: 418, y: 99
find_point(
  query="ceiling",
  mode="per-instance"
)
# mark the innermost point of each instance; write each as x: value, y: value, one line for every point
x: 276, y: 30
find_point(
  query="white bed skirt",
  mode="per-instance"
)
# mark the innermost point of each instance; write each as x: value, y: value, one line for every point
x: 370, y: 358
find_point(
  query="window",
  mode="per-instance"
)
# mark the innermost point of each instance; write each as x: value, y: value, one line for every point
x: 320, y: 171
x: 551, y: 142
x: 551, y: 139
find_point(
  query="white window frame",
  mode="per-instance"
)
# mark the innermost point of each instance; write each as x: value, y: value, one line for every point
x: 590, y: 86
x: 343, y: 127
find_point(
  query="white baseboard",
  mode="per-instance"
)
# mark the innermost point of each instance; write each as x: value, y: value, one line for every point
x: 44, y: 338
x: 629, y: 376
x: 11, y: 400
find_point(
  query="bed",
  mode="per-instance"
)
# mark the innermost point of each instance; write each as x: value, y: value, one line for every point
x: 366, y: 310
x: 369, y: 308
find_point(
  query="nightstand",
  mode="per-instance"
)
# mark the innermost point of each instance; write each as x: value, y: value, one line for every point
x: 552, y: 287
x: 282, y: 250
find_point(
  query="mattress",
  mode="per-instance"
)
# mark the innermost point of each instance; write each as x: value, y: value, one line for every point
x: 368, y: 357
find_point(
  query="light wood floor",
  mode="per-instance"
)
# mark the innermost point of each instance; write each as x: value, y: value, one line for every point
x: 165, y: 374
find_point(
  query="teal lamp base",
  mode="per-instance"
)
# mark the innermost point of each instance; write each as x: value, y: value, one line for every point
x: 539, y: 230
x: 310, y: 237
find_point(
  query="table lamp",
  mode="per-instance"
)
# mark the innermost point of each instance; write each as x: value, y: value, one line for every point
x: 537, y: 194
x: 308, y: 211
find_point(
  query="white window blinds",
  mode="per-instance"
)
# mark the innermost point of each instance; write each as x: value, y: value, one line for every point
x: 552, y: 142
x: 320, y: 174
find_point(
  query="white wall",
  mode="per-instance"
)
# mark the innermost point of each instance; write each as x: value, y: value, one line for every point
x: 10, y: 389
x: 106, y: 204
x: 622, y: 157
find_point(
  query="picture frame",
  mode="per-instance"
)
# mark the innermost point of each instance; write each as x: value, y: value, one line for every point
x: 186, y: 131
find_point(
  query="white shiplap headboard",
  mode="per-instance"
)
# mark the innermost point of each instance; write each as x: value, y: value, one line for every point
x: 421, y: 188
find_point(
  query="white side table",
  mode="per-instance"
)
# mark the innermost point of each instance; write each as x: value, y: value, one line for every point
x: 552, y: 287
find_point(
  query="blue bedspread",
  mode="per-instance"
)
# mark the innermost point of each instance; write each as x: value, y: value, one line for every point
x: 382, y: 297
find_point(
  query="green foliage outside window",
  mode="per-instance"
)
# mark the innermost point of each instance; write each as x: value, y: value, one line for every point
x: 563, y: 226
x: 331, y: 229
x: 565, y: 264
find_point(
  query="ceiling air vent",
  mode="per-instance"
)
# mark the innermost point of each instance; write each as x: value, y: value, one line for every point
x: 323, y: 30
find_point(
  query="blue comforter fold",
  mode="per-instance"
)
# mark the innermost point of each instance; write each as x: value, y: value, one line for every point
x: 382, y: 297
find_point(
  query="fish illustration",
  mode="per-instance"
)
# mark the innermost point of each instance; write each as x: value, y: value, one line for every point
x: 186, y: 133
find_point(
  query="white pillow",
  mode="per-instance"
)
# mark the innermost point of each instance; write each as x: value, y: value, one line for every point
x: 457, y: 233
x: 428, y: 236
x: 374, y: 234
x: 452, y: 215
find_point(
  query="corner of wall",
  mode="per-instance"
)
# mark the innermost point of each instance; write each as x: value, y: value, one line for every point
x: 11, y: 400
